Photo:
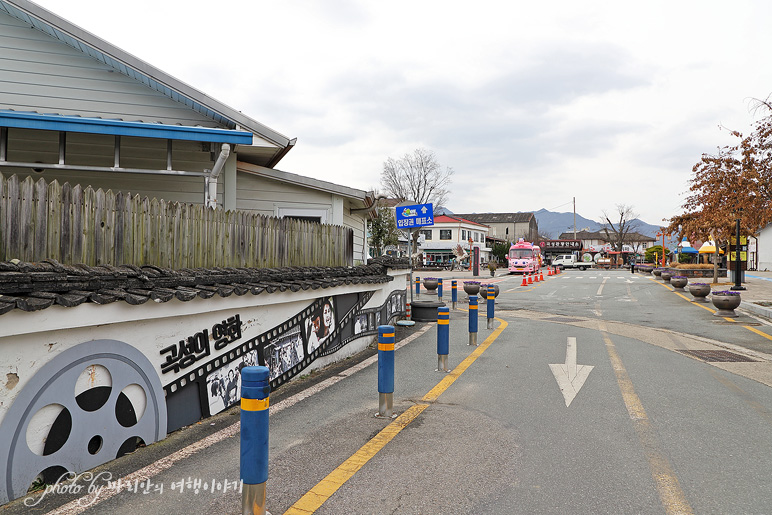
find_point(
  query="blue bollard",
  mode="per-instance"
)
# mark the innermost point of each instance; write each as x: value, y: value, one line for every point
x: 417, y: 286
x: 472, y: 320
x: 439, y: 288
x: 253, y: 465
x: 490, y: 308
x: 386, y: 339
x: 454, y: 293
x: 443, y: 338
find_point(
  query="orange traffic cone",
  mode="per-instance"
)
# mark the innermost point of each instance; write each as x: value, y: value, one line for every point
x: 549, y: 271
x: 535, y: 277
x: 530, y: 279
x: 541, y: 276
x: 524, y: 283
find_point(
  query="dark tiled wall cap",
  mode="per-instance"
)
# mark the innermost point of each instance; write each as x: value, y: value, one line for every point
x: 34, y: 286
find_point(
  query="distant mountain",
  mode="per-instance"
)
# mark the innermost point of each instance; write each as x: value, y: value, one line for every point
x: 554, y: 224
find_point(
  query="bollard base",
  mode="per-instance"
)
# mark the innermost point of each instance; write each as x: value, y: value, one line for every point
x: 490, y: 323
x: 442, y: 363
x: 385, y: 405
x: 472, y: 339
x: 253, y: 500
x: 455, y: 304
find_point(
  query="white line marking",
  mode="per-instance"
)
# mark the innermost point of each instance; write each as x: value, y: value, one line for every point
x: 570, y: 376
x: 600, y: 290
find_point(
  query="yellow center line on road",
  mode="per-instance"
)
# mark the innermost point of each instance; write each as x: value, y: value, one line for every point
x: 668, y: 487
x: 324, y: 489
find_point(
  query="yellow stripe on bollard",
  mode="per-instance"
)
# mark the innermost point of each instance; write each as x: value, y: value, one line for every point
x: 472, y: 306
x: 443, y: 321
x: 254, y: 404
x: 385, y: 346
x: 388, y: 335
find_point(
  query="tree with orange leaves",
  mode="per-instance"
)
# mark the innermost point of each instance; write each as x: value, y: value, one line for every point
x: 734, y: 183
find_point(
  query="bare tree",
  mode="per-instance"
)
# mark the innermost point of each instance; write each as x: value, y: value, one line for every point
x: 419, y: 178
x: 617, y: 233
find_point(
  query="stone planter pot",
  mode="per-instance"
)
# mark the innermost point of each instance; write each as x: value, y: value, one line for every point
x: 431, y: 284
x: 657, y: 272
x: 700, y: 292
x: 725, y: 304
x: 678, y: 283
x: 665, y: 275
x: 471, y: 288
x: 484, y: 290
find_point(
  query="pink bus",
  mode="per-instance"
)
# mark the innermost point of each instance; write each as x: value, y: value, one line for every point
x: 524, y: 257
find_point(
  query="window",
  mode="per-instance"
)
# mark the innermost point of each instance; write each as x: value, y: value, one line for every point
x: 445, y: 234
x: 427, y: 234
x: 477, y: 236
x: 463, y: 234
x: 309, y: 215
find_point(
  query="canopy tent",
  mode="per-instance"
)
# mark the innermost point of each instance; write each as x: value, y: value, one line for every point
x: 709, y: 247
x: 686, y: 247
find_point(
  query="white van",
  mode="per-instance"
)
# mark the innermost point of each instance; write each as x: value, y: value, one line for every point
x: 571, y: 261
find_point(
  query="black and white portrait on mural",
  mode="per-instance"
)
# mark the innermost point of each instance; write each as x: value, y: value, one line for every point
x: 284, y: 352
x: 223, y: 386
x: 361, y: 323
x: 320, y: 325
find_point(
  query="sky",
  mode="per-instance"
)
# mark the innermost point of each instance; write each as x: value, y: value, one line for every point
x: 531, y: 104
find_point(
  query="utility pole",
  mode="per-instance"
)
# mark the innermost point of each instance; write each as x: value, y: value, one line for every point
x: 574, y: 217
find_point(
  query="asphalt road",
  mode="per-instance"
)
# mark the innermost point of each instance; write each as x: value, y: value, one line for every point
x: 652, y: 427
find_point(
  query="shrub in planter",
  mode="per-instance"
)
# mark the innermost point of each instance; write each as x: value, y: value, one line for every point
x: 678, y: 282
x: 699, y: 291
x: 430, y: 283
x: 726, y: 302
x: 472, y: 287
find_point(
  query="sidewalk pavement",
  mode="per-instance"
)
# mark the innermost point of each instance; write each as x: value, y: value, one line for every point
x: 756, y: 298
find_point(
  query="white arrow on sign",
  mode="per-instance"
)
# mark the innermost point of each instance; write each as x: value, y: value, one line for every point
x: 424, y: 210
x: 570, y: 376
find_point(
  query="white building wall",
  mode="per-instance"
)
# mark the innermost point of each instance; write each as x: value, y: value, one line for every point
x: 764, y: 249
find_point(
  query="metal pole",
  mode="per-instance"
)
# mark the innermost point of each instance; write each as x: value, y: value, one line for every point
x: 490, y: 307
x: 386, y: 339
x: 472, y: 320
x: 253, y: 465
x: 443, y: 338
x: 737, y: 269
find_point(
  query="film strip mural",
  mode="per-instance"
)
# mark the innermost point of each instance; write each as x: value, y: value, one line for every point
x: 321, y: 329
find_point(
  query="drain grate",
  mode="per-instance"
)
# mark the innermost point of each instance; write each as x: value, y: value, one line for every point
x: 563, y: 319
x: 718, y: 356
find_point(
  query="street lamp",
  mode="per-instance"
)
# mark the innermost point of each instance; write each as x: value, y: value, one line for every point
x: 663, y: 234
x: 737, y: 283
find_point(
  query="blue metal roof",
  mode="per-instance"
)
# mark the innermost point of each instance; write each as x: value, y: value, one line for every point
x: 55, y: 122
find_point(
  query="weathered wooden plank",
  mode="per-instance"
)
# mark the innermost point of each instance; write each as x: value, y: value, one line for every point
x: 78, y: 231
x: 121, y: 252
x: 65, y: 227
x: 54, y: 203
x: 14, y: 217
x: 109, y: 227
x: 154, y: 248
x: 40, y: 221
x: 89, y: 226
x: 4, y: 228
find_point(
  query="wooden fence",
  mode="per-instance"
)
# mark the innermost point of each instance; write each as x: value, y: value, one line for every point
x: 75, y: 225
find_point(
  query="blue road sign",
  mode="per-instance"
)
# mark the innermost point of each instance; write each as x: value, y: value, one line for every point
x: 419, y: 215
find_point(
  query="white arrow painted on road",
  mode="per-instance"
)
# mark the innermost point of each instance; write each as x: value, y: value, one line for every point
x: 570, y: 376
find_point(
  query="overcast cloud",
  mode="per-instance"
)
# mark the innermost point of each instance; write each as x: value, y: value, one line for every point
x: 531, y: 103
